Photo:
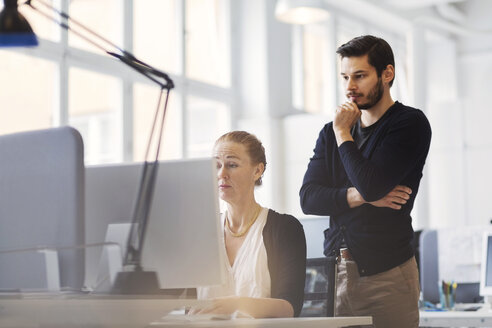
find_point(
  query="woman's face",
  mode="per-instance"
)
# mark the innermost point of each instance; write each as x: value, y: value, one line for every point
x: 235, y: 173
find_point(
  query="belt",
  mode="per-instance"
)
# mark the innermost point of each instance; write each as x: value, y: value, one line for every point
x: 345, y: 254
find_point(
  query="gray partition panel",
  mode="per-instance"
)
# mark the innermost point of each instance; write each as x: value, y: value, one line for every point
x: 42, y: 197
x: 429, y: 272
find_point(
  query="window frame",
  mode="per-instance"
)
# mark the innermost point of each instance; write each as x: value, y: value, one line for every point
x: 66, y: 57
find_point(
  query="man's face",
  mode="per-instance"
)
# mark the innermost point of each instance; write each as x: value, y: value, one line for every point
x: 362, y: 84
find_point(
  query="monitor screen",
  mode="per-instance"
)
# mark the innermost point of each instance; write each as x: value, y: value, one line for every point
x: 486, y: 265
x: 182, y: 242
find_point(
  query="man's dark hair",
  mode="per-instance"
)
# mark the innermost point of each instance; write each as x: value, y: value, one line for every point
x: 378, y: 51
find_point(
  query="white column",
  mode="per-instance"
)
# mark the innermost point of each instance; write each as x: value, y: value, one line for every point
x: 418, y: 97
x: 265, y: 87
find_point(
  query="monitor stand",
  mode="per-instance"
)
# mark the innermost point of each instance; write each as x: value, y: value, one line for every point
x: 139, y: 282
x: 114, y: 278
x: 487, y: 303
x: 136, y: 282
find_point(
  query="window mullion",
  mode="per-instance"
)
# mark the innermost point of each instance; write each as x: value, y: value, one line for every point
x: 330, y: 99
x: 298, y: 96
x: 235, y: 61
x: 127, y: 94
x: 181, y: 8
x: 61, y: 116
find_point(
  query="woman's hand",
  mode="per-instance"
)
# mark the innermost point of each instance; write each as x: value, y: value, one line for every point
x: 248, y: 306
x: 221, y: 305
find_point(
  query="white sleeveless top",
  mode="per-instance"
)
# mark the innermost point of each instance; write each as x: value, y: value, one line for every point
x: 249, y: 275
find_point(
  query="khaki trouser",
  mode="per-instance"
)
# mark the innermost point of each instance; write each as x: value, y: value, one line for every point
x: 390, y: 297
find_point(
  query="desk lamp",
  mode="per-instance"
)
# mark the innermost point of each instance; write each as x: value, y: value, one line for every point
x: 15, y: 31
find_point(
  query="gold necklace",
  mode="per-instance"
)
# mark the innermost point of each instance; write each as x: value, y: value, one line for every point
x: 242, y: 233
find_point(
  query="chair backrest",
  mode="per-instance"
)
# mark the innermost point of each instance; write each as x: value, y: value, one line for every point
x: 313, y: 229
x: 42, y: 200
x: 429, y: 266
x: 320, y: 287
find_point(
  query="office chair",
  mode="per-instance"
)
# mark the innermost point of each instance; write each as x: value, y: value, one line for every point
x: 320, y: 287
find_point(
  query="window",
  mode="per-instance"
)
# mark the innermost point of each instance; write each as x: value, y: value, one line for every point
x: 105, y: 17
x: 43, y: 27
x: 206, y: 42
x: 72, y: 82
x: 28, y: 92
x: 207, y: 120
x: 157, y: 33
x: 315, y: 67
x: 145, y: 102
x: 95, y: 110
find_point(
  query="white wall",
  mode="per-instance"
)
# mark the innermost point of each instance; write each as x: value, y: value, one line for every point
x: 474, y: 89
x: 300, y: 133
x: 444, y: 109
x: 475, y: 86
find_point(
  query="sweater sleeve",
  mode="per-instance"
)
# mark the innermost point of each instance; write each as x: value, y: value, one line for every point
x: 405, y: 144
x: 318, y: 194
x: 285, y: 244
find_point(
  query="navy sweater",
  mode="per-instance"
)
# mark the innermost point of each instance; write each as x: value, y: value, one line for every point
x: 378, y: 238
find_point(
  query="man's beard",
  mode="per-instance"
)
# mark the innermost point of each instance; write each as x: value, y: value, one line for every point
x: 374, y: 96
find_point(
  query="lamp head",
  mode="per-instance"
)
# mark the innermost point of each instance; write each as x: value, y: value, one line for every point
x: 301, y: 11
x: 15, y: 30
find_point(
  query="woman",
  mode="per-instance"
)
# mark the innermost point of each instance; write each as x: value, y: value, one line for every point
x: 265, y: 251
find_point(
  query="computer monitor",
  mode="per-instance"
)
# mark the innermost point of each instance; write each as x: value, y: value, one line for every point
x: 486, y: 266
x: 182, y: 242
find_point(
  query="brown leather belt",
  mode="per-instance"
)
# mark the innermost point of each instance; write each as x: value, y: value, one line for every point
x: 345, y: 254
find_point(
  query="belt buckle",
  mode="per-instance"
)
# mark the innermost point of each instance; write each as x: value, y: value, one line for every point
x: 345, y: 254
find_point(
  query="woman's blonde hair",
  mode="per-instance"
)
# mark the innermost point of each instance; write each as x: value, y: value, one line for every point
x: 253, y: 145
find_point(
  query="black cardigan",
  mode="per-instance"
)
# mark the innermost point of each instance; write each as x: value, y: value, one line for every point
x: 378, y: 237
x: 285, y: 245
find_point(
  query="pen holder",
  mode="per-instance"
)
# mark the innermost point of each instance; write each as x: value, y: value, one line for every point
x: 447, y: 295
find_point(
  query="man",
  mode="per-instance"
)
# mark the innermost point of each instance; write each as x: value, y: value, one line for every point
x: 365, y: 174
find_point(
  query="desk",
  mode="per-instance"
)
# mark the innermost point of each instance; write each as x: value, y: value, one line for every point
x: 272, y: 323
x: 85, y: 310
x: 480, y: 318
x: 115, y: 311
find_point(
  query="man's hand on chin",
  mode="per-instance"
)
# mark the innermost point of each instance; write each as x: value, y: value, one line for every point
x: 346, y: 116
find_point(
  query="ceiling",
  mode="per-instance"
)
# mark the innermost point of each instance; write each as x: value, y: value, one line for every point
x: 467, y: 21
x: 467, y: 14
x: 412, y: 4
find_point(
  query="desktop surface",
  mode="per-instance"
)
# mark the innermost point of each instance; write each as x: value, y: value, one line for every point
x: 89, y: 310
x: 314, y: 322
x: 481, y: 317
x: 31, y: 310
